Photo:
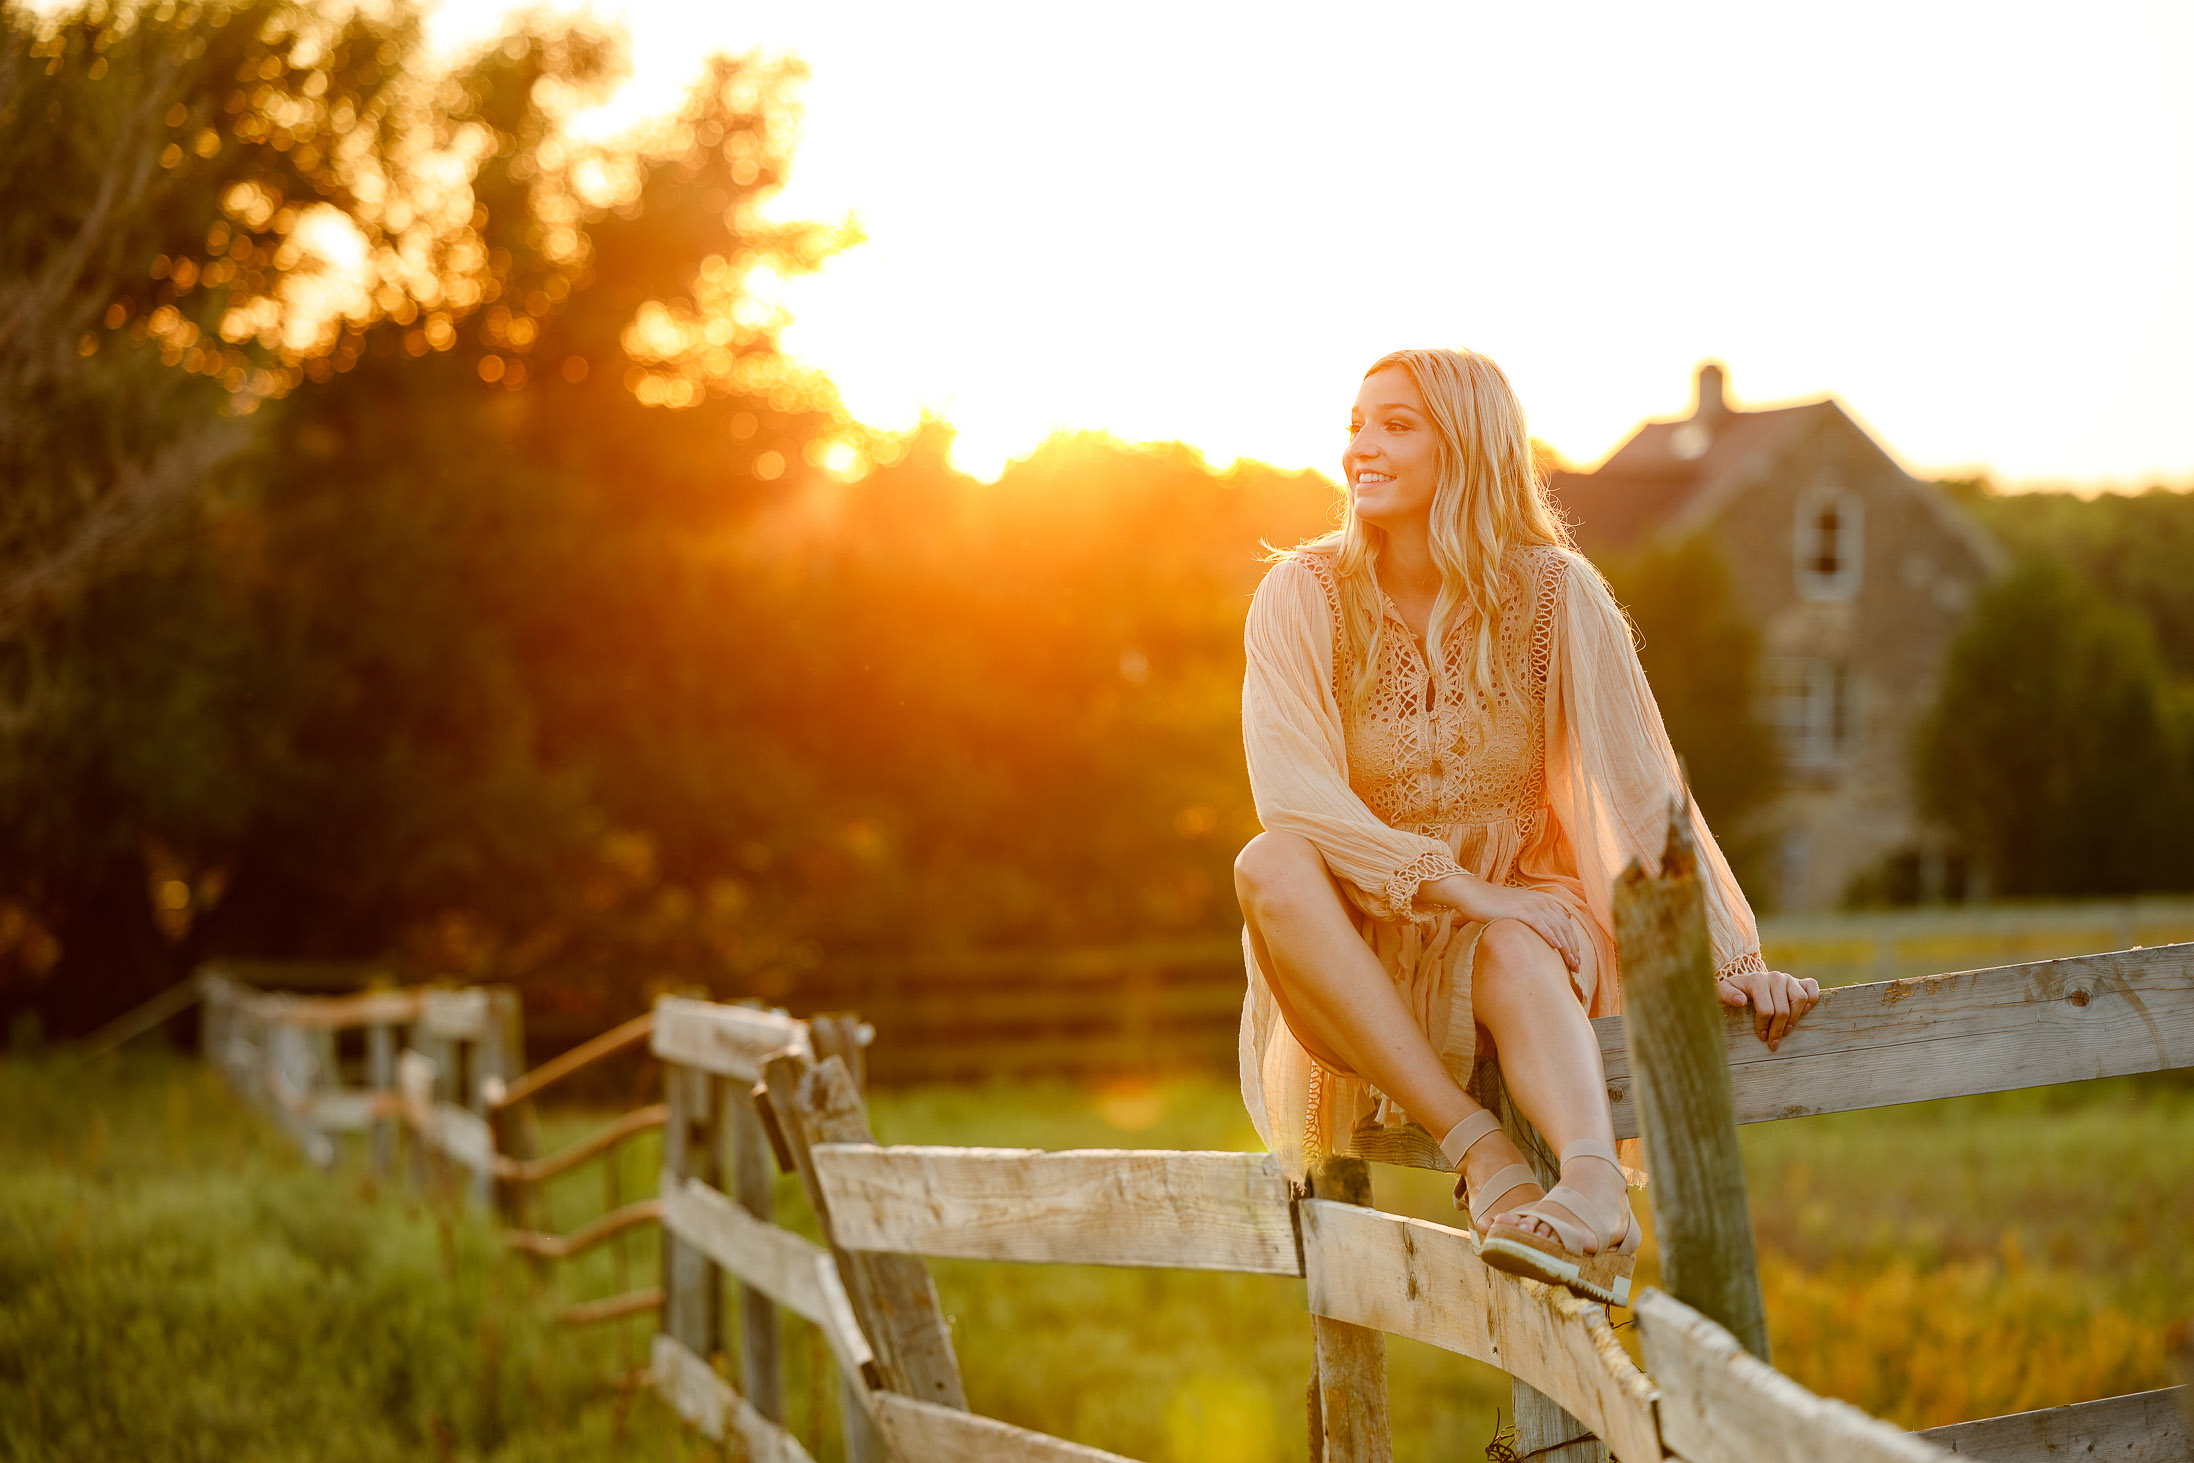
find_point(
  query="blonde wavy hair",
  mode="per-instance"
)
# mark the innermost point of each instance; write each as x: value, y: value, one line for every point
x: 1488, y: 501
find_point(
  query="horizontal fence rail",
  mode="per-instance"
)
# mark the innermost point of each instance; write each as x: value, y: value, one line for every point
x: 1954, y: 1035
x: 1196, y: 1211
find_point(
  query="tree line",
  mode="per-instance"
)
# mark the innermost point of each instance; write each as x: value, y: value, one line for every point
x: 415, y: 543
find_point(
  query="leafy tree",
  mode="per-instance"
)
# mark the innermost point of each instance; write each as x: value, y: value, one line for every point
x: 344, y: 601
x: 1702, y: 657
x: 2059, y: 747
x: 2137, y: 548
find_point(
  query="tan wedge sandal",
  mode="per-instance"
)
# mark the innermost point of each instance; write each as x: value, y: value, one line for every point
x: 1484, y: 1205
x: 1603, y: 1275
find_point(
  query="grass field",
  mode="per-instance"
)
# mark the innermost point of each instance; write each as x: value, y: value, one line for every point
x: 177, y: 1284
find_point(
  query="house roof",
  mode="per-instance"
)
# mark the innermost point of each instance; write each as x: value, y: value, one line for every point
x: 1666, y: 467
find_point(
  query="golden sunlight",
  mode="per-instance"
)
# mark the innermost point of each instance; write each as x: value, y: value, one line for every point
x: 1191, y: 223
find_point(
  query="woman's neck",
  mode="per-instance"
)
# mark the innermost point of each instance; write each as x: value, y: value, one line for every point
x: 1406, y: 565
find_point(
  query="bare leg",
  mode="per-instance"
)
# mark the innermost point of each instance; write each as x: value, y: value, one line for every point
x: 1549, y: 1057
x: 1338, y: 1000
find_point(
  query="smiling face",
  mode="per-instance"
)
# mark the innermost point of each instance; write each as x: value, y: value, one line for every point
x: 1392, y: 464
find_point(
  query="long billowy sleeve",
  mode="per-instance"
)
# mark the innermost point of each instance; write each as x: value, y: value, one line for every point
x: 1298, y: 759
x: 1611, y: 774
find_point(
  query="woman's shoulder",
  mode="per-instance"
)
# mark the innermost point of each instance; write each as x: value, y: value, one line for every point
x: 1544, y: 561
x: 1304, y: 569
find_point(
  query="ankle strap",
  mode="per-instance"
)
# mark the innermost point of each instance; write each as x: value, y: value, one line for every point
x: 1464, y: 1135
x: 1593, y: 1148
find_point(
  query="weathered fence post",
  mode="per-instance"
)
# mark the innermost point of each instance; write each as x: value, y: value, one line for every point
x: 1545, y: 1431
x: 1347, y: 1404
x: 892, y: 1295
x: 692, y: 1289
x: 839, y: 1035
x: 1672, y: 1028
x: 753, y: 1187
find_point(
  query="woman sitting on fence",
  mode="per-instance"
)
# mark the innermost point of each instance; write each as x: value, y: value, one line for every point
x: 1454, y: 753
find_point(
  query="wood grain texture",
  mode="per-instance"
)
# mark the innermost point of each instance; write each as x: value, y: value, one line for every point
x: 2142, y: 1427
x: 1952, y: 1036
x: 1348, y: 1397
x: 923, y: 1432
x: 1720, y: 1404
x: 1425, y: 1281
x: 1189, y: 1211
x: 892, y: 1295
x: 1672, y: 1030
x: 692, y: 1290
x: 715, y: 1408
x: 792, y: 1272
x: 751, y: 1187
x: 730, y: 1041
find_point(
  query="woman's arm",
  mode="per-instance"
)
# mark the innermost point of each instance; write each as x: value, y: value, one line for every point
x: 1611, y: 778
x: 1298, y: 757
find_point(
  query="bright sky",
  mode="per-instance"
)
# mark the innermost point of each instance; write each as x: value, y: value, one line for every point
x: 1973, y: 224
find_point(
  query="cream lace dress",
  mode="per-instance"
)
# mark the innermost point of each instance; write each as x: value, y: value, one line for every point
x: 1571, y: 781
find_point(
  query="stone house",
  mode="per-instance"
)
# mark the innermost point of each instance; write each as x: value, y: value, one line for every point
x: 1856, y: 575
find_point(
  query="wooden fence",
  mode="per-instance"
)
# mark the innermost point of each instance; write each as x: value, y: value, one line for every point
x: 746, y: 1091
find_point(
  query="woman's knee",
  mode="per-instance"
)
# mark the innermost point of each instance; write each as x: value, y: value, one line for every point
x: 1274, y: 869
x: 1514, y: 962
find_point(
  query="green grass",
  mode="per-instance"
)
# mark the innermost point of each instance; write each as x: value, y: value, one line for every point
x: 176, y: 1284
x: 178, y: 1267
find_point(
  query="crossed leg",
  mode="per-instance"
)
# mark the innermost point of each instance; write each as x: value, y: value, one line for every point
x: 1341, y: 1004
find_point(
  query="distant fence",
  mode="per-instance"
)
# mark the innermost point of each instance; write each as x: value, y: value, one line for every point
x: 747, y: 1090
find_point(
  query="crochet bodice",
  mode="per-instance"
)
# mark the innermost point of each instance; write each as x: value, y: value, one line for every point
x: 1424, y: 753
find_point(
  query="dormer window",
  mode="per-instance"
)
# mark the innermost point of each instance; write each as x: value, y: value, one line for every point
x: 1828, y: 545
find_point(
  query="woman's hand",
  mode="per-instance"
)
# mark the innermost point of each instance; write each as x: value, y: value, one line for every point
x: 1777, y: 1000
x: 1474, y: 898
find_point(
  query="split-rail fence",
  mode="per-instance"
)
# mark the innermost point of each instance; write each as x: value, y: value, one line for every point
x: 748, y: 1092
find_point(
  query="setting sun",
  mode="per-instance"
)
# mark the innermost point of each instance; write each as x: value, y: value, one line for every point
x: 1198, y: 223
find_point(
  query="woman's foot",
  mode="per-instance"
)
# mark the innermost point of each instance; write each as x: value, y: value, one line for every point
x: 1605, y: 1189
x: 1494, y: 1178
x: 1582, y: 1234
x: 1494, y: 1181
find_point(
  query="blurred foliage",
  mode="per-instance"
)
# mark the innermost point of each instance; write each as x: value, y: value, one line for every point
x: 2136, y: 548
x: 2061, y: 749
x: 341, y: 537
x: 1702, y: 656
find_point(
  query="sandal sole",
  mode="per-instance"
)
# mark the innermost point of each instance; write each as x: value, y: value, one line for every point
x: 1604, y: 1278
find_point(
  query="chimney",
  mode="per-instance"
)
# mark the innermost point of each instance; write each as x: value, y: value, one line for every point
x: 1713, y: 403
